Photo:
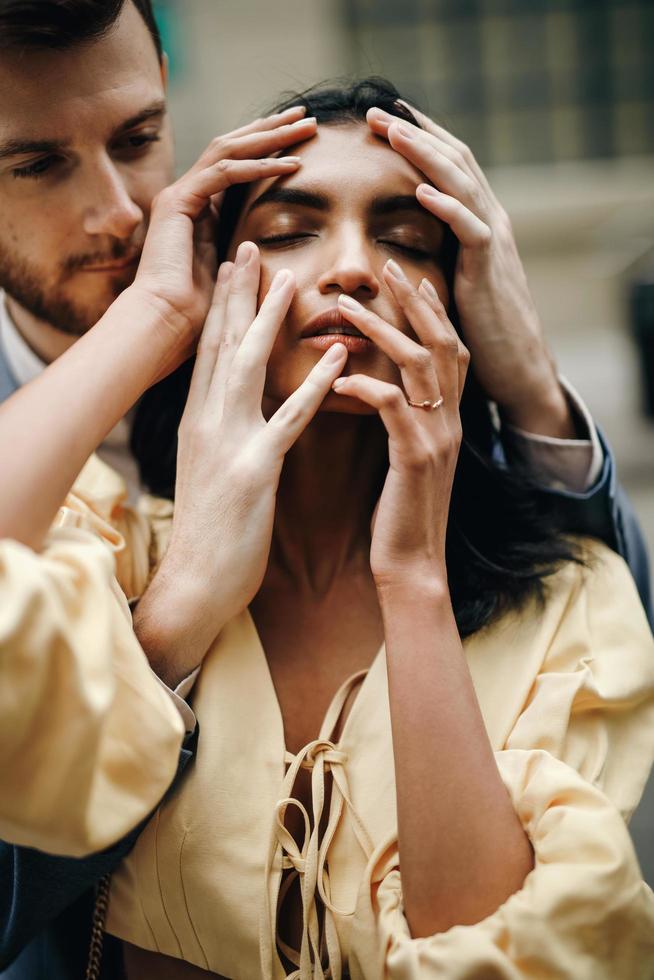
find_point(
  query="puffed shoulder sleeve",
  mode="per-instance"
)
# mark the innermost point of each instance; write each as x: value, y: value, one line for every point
x: 575, y: 764
x: 89, y: 740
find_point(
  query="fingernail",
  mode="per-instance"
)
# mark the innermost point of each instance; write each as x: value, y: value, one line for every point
x: 334, y: 353
x: 279, y: 279
x: 303, y: 122
x: 427, y: 189
x: 395, y: 270
x: 289, y: 161
x: 291, y: 109
x: 338, y: 383
x: 349, y: 303
x: 427, y: 287
x: 244, y: 253
x: 405, y: 131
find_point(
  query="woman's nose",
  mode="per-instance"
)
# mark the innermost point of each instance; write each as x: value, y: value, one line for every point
x: 350, y: 271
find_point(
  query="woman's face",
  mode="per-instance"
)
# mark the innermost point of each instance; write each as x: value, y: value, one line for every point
x: 335, y: 223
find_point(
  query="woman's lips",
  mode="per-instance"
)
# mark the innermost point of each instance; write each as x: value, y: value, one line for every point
x: 331, y: 328
x: 355, y: 345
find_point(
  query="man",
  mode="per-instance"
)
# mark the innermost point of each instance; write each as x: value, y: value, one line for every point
x: 85, y: 145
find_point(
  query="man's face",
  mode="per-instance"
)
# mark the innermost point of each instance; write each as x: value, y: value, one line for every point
x: 85, y: 145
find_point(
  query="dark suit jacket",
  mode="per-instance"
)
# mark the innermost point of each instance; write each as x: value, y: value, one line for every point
x: 46, y: 902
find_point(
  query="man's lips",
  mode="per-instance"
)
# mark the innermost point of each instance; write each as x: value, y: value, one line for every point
x: 331, y: 328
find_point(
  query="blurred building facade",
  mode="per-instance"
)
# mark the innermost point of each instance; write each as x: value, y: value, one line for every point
x: 555, y: 98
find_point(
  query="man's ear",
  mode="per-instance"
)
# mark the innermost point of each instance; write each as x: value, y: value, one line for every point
x: 164, y: 70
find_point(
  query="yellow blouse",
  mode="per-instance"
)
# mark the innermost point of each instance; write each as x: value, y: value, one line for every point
x: 89, y: 739
x: 567, y: 694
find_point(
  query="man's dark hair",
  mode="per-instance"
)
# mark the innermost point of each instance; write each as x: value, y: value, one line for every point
x: 61, y: 24
x: 504, y: 535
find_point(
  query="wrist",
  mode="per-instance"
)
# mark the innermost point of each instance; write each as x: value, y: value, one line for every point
x: 543, y: 409
x: 173, y: 624
x: 415, y: 586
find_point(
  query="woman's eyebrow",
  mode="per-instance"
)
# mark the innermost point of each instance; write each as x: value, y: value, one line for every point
x: 397, y: 202
x: 290, y: 195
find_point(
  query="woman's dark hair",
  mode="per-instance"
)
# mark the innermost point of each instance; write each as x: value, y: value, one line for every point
x: 61, y: 24
x: 504, y: 537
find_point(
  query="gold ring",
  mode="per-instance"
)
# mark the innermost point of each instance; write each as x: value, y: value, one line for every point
x: 428, y: 406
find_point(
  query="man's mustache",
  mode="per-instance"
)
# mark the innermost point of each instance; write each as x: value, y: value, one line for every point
x: 118, y: 252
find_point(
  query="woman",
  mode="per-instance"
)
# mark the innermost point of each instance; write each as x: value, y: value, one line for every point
x: 348, y: 811
x: 346, y: 733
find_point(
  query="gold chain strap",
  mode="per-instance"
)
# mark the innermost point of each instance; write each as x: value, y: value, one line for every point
x: 97, y: 929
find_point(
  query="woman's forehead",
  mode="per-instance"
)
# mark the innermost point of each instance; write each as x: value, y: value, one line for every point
x: 346, y: 160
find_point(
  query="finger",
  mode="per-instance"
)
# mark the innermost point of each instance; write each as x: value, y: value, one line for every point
x: 400, y: 420
x: 415, y: 362
x: 470, y: 230
x: 380, y: 122
x: 434, y: 330
x: 292, y: 418
x: 419, y: 148
x: 205, y: 184
x: 240, y: 311
x: 210, y: 340
x: 429, y: 294
x: 463, y: 152
x: 270, y: 122
x: 263, y: 143
x: 248, y: 371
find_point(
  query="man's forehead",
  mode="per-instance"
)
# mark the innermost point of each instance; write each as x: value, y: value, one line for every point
x: 97, y: 83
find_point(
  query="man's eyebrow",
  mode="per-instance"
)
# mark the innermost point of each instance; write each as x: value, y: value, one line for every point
x: 157, y: 108
x: 19, y: 147
x: 291, y: 195
x: 15, y: 147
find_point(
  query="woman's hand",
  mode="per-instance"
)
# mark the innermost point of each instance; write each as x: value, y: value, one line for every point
x: 408, y: 541
x: 177, y: 270
x: 499, y: 320
x: 228, y: 469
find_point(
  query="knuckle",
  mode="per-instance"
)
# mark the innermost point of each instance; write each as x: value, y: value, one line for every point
x: 218, y: 143
x: 224, y: 165
x: 421, y: 359
x: 391, y: 397
x: 485, y: 235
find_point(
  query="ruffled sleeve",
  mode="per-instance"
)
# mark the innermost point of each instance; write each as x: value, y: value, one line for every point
x: 574, y: 764
x: 89, y: 738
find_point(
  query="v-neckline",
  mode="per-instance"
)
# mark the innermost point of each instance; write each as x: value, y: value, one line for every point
x: 275, y: 699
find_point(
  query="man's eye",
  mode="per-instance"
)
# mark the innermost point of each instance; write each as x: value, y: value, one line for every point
x: 412, y: 250
x: 137, y: 141
x: 35, y: 169
x: 290, y: 238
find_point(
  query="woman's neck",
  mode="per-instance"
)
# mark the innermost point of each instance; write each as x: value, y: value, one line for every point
x: 329, y: 486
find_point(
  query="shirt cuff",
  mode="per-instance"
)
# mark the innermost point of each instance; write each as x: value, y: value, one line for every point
x: 560, y: 464
x: 178, y: 697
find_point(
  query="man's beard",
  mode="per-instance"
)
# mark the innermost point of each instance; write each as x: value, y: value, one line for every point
x: 53, y: 305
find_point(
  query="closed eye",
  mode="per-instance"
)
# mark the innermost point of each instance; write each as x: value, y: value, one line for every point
x: 289, y: 238
x: 412, y: 250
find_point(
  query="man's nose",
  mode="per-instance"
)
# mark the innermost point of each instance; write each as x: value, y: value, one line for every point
x: 351, y: 270
x: 111, y: 210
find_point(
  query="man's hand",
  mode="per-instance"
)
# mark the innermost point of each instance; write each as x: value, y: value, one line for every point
x: 178, y: 265
x: 501, y: 327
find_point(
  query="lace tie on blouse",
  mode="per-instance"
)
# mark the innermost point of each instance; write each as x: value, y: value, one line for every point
x: 308, y: 861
